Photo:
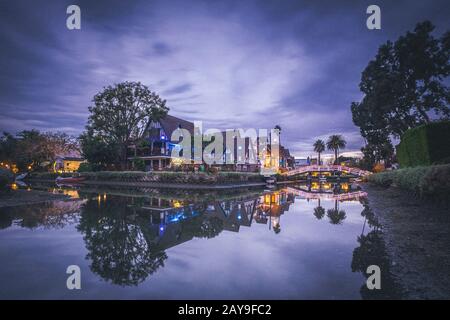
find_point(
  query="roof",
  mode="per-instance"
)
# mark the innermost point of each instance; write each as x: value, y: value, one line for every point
x: 170, y: 124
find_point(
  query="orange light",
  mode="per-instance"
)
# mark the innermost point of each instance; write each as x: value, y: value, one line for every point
x: 177, y: 204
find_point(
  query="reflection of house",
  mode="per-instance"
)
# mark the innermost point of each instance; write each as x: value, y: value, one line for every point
x: 271, y: 207
x: 68, y: 164
x: 169, y: 223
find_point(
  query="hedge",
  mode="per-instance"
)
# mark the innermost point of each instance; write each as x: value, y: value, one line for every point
x: 429, y: 181
x: 425, y: 145
x: 161, y: 176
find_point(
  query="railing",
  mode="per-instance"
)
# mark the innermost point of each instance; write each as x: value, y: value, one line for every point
x: 327, y: 168
x: 147, y: 153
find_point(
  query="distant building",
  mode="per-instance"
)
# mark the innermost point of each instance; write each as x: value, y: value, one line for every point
x: 301, y: 162
x: 67, y: 163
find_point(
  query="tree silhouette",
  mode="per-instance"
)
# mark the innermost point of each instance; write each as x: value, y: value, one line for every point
x: 319, y: 212
x: 336, y: 216
x: 319, y: 147
x: 336, y: 142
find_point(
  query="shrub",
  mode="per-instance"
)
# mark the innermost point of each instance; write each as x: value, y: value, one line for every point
x: 425, y: 145
x: 430, y: 181
x: 139, y: 164
x: 85, y: 167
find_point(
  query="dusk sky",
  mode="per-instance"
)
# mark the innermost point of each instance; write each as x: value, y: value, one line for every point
x: 231, y: 64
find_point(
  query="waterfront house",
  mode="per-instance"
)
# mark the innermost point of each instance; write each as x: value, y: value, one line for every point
x: 155, y: 149
x: 67, y: 163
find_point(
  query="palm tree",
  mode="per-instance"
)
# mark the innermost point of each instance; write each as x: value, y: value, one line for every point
x: 319, y: 147
x: 336, y: 142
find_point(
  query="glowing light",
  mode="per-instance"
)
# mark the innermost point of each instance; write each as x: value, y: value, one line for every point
x: 14, y: 186
x: 327, y: 185
x: 177, y: 161
x: 177, y: 204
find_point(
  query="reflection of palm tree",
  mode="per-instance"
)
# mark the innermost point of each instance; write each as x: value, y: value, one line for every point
x: 335, y: 215
x: 118, y: 246
x: 319, y: 212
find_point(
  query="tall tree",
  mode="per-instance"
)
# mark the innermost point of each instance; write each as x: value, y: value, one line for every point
x: 335, y: 143
x: 319, y: 147
x: 99, y: 154
x: 121, y: 113
x: 35, y: 149
x: 403, y: 86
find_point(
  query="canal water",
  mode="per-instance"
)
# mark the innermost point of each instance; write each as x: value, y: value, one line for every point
x: 300, y: 242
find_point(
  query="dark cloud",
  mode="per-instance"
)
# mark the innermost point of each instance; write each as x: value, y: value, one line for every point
x: 182, y: 88
x: 229, y: 63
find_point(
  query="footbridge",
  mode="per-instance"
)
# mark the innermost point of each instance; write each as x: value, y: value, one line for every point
x: 328, y: 168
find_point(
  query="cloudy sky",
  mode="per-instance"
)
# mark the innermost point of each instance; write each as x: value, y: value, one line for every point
x: 231, y: 64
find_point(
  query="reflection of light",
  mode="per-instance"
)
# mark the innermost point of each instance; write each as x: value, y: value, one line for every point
x: 71, y: 193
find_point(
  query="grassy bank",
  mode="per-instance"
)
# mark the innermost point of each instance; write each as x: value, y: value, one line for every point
x: 426, y: 182
x: 161, y: 176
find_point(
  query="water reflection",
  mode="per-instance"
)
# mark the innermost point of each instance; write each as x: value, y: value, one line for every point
x: 372, y: 251
x: 55, y: 214
x: 119, y: 242
x: 127, y: 233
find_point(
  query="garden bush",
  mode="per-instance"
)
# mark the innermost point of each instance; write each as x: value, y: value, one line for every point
x: 161, y: 176
x: 425, y: 181
x: 425, y: 145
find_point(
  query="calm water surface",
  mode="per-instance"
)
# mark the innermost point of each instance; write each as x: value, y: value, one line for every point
x: 301, y: 242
